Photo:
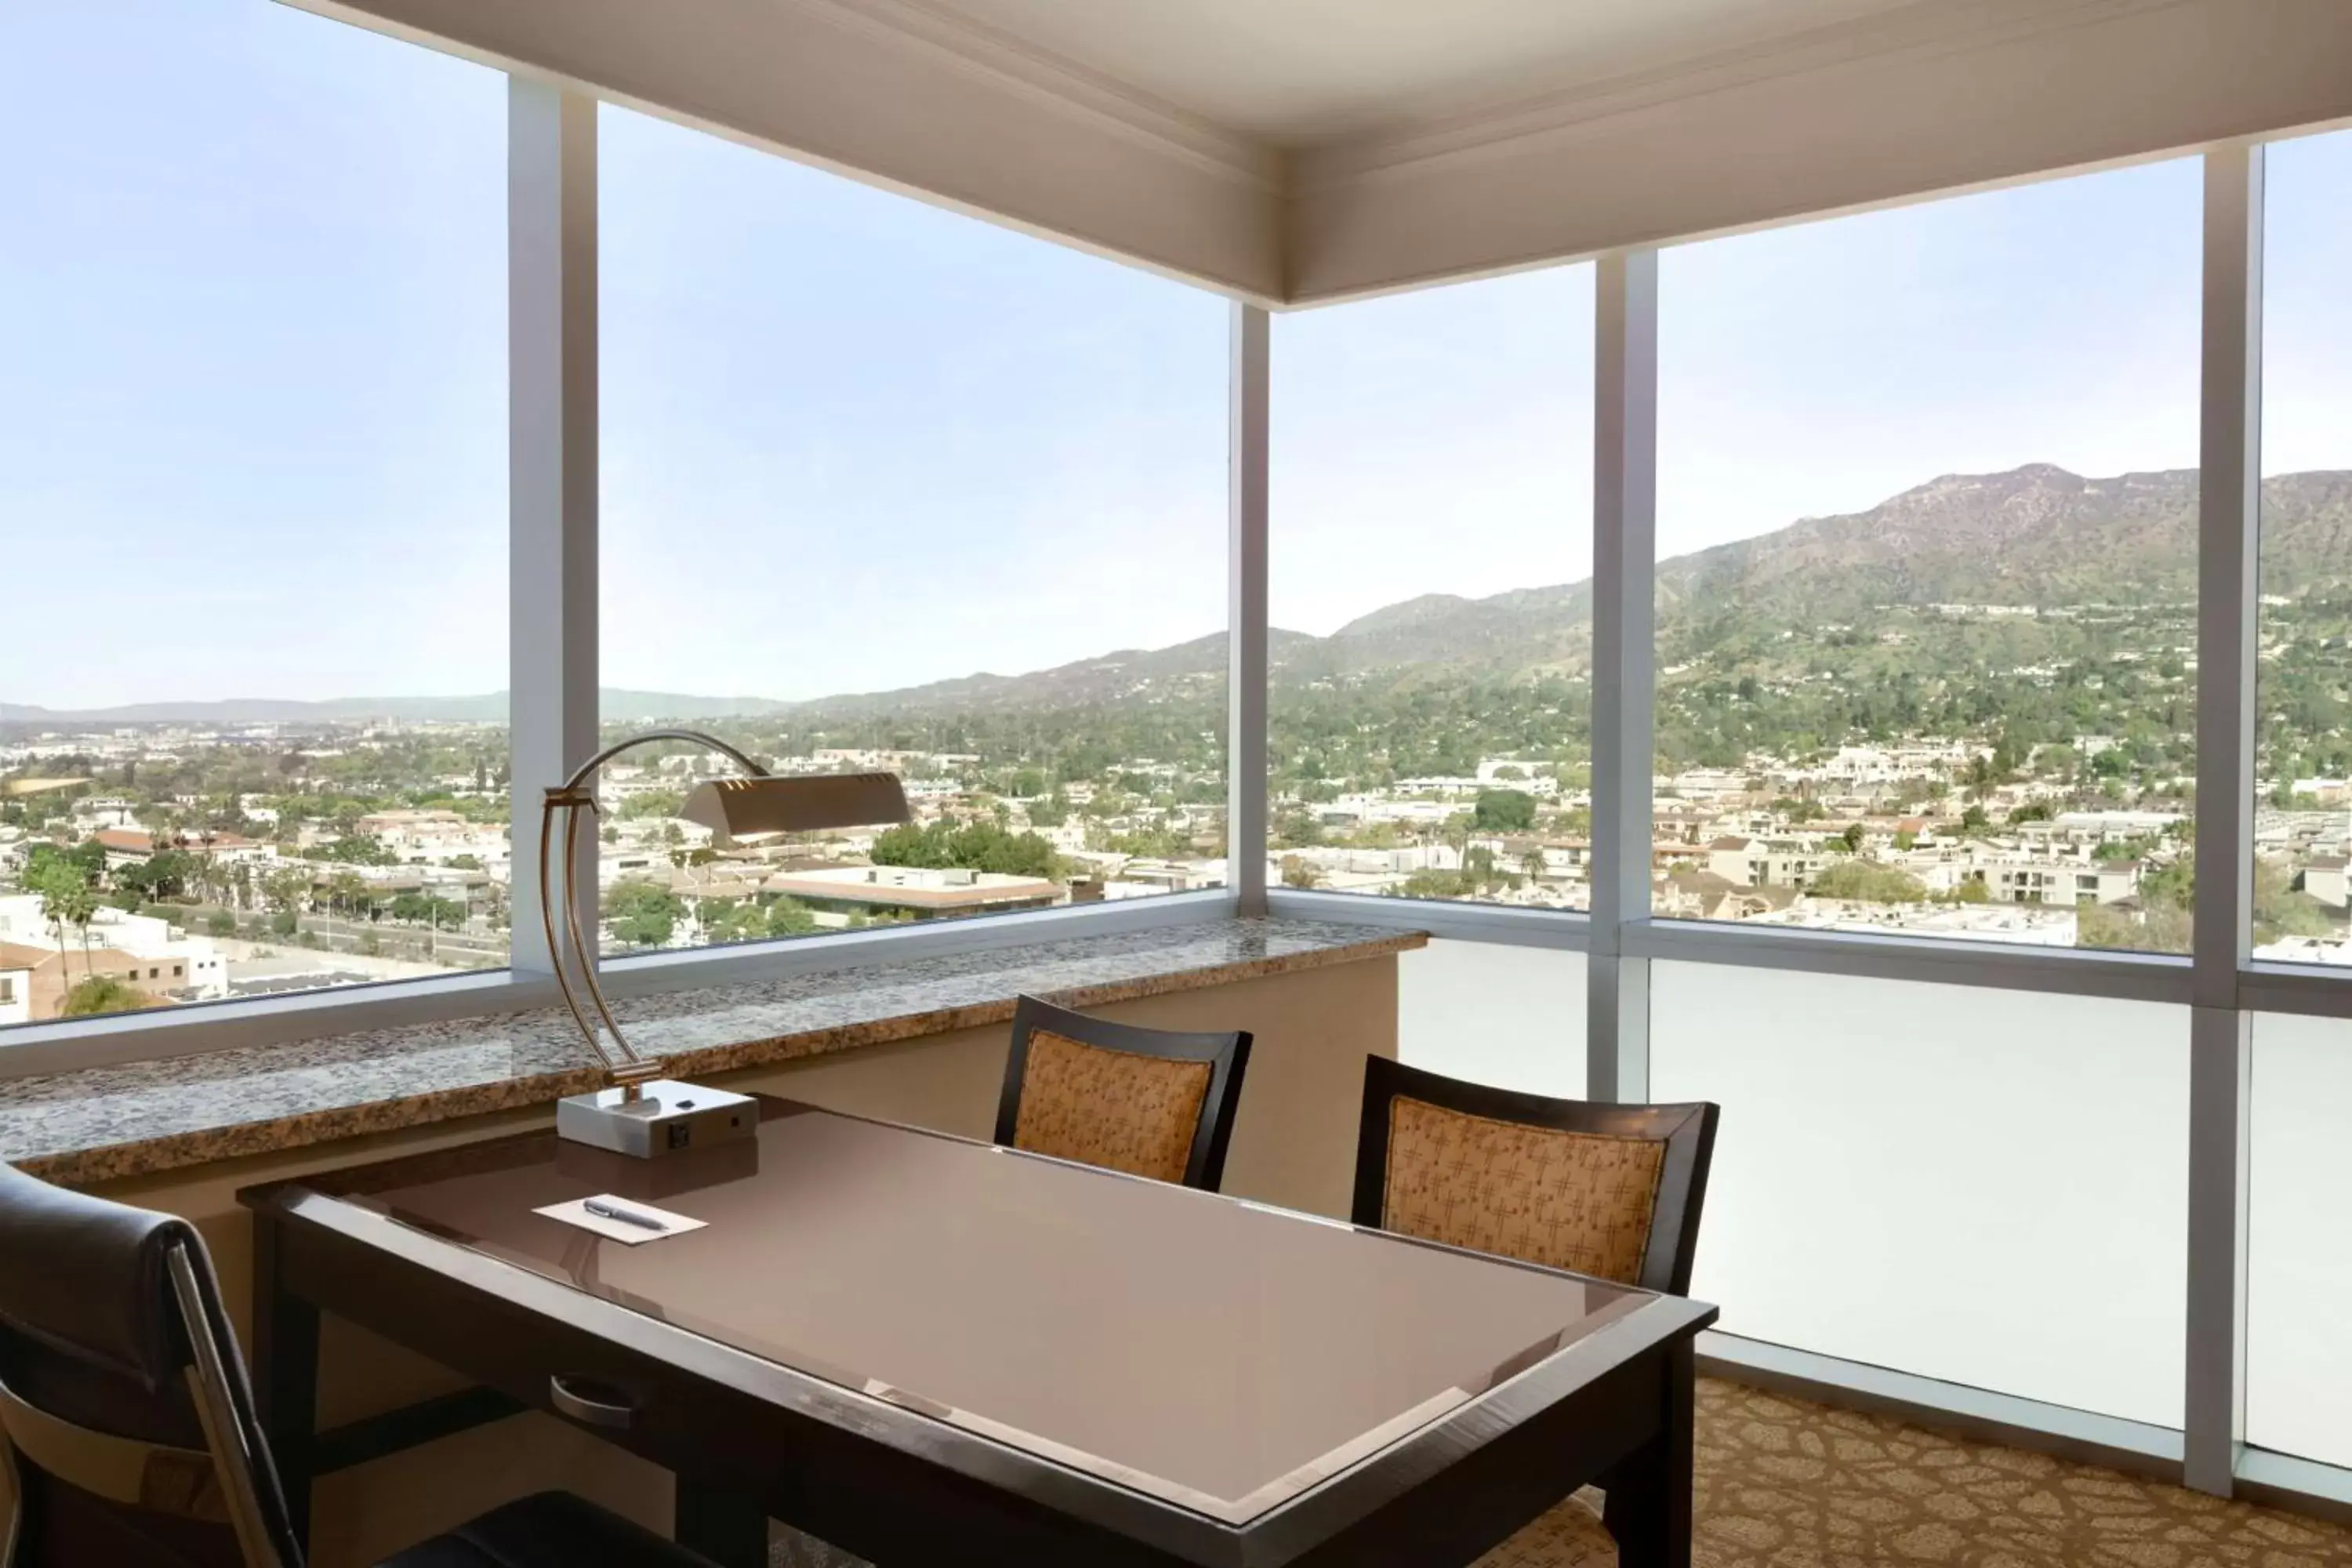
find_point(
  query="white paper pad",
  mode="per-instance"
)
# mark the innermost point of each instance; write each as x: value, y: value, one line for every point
x: 573, y: 1213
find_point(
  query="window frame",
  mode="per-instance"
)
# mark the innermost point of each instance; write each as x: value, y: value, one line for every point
x: 554, y: 677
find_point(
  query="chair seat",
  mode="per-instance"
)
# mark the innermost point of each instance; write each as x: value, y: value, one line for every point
x: 1571, y: 1536
x: 551, y: 1529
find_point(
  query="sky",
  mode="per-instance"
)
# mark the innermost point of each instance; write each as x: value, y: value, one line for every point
x: 253, y: 397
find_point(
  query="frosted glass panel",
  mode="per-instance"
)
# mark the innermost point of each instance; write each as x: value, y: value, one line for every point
x: 1510, y: 1016
x: 2299, y: 1268
x: 1988, y: 1187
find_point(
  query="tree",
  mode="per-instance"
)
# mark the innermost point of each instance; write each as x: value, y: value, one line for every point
x: 164, y: 875
x: 357, y: 849
x: 1295, y: 826
x: 1298, y: 873
x: 103, y: 994
x: 346, y: 892
x: 641, y: 914
x: 1437, y: 885
x: 289, y: 889
x: 1853, y: 837
x: 1867, y: 882
x: 1504, y: 811
x: 979, y: 847
x: 653, y: 802
x: 67, y: 898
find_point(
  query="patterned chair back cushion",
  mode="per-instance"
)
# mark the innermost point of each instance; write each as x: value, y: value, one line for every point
x: 1117, y: 1110
x: 1579, y: 1201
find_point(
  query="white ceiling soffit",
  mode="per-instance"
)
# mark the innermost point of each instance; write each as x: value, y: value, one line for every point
x: 1303, y: 151
x: 899, y: 96
x: 1302, y: 73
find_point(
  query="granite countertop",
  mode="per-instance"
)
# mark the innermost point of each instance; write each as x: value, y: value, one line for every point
x: 145, y: 1117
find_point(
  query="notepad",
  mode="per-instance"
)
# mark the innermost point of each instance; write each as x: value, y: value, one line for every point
x: 576, y: 1213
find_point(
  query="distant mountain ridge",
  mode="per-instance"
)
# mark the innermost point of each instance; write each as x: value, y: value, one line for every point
x: 2036, y: 534
x: 490, y: 708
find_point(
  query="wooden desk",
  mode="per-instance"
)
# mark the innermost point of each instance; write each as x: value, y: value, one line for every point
x: 925, y: 1348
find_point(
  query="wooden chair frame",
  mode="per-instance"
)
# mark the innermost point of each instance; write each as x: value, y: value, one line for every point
x: 1687, y: 1131
x: 1228, y: 1054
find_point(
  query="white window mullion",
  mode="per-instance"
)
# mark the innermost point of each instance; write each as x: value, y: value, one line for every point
x: 551, y: 477
x: 2221, y: 1052
x: 1245, y: 620
x: 1625, y: 551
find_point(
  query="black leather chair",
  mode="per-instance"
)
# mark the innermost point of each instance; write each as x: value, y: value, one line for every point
x: 127, y: 1424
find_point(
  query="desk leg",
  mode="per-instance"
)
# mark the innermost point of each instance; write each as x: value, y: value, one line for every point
x: 286, y: 1375
x: 1649, y: 1503
x: 722, y: 1525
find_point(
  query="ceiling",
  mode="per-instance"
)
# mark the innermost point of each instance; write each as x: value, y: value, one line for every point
x: 1297, y: 73
x: 1292, y: 153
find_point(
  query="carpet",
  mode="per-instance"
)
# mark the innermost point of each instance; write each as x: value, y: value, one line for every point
x: 1787, y: 1483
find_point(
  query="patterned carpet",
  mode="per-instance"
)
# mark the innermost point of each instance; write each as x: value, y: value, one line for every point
x: 1784, y: 1483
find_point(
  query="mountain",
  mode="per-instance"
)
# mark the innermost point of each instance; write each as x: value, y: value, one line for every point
x: 2036, y: 534
x: 617, y: 706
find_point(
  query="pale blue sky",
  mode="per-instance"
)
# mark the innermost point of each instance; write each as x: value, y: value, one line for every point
x: 252, y: 388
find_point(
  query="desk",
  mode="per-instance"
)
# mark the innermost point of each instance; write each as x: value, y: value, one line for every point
x: 926, y: 1349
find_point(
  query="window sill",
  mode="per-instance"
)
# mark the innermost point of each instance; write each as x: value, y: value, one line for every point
x: 151, y: 1116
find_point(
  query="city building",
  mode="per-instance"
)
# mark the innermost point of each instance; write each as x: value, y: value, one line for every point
x: 912, y: 892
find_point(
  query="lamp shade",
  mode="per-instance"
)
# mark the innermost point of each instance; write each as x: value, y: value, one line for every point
x: 747, y: 807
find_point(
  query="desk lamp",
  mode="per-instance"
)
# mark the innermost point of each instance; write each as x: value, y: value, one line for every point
x: 640, y: 1112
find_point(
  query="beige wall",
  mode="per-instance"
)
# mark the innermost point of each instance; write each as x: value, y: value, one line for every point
x: 1294, y: 1144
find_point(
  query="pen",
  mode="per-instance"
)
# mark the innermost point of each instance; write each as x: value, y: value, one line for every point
x: 602, y: 1210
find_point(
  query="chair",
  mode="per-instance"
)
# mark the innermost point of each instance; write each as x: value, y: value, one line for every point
x: 127, y: 1431
x: 1145, y: 1101
x: 1613, y: 1191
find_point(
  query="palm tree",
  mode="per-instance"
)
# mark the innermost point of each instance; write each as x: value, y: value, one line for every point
x: 67, y: 899
x: 344, y: 890
x: 289, y: 890
x: 1533, y: 864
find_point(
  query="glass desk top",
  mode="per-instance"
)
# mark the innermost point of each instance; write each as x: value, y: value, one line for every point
x: 1215, y: 1353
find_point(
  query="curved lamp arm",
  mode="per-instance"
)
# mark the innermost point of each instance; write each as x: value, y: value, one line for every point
x: 571, y: 798
x: 695, y: 737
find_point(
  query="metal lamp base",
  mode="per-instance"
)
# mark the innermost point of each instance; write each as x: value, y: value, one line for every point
x: 667, y: 1117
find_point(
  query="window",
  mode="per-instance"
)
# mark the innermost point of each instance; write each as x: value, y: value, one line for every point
x: 2298, y: 1362
x: 1927, y: 581
x: 888, y: 486
x: 252, y: 331
x: 1430, y: 720
x: 1988, y: 1187
x: 1493, y: 1014
x: 2303, y: 767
